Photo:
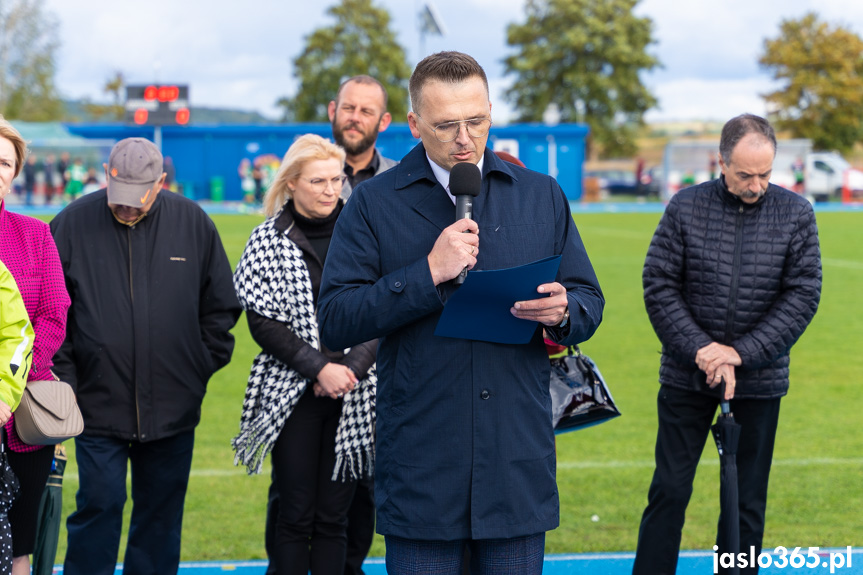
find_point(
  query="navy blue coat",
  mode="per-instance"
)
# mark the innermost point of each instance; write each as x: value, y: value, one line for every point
x: 465, y: 447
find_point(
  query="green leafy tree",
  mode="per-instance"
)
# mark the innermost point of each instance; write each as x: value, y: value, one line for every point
x: 585, y: 56
x: 820, y: 69
x: 115, y: 86
x: 27, y: 46
x: 360, y: 42
x: 285, y: 105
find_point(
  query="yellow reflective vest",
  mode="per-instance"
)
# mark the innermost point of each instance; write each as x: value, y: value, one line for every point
x: 16, y: 341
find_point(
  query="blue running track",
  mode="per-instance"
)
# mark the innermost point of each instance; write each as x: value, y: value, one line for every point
x: 690, y: 562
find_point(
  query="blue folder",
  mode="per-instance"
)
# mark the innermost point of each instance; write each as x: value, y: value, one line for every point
x: 479, y: 309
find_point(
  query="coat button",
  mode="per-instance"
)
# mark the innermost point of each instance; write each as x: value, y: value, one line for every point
x: 484, y: 394
x: 398, y: 284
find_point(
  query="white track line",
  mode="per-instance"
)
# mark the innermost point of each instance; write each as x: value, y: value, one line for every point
x: 849, y: 264
x: 803, y: 462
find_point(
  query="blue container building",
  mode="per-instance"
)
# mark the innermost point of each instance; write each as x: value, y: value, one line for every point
x: 203, y: 155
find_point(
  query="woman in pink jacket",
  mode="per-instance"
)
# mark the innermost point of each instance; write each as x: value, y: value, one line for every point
x: 28, y: 251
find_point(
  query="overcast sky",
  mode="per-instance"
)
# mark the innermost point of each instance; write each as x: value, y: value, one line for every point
x: 238, y: 54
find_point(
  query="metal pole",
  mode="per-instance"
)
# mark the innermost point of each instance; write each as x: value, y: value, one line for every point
x: 552, y: 156
x: 420, y: 34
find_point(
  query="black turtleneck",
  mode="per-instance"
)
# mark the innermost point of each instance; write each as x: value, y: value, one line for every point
x: 318, y: 231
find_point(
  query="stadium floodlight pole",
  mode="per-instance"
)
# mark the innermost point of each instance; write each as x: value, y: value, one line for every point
x: 157, y: 130
x: 430, y: 23
x: 551, y: 118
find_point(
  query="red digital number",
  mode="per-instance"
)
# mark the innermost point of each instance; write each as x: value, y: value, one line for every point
x: 182, y: 116
x: 141, y: 116
x: 168, y: 93
x: 150, y: 92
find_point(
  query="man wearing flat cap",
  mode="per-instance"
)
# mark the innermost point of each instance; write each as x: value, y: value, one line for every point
x: 152, y: 305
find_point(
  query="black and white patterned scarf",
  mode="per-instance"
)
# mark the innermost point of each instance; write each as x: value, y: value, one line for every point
x: 272, y: 279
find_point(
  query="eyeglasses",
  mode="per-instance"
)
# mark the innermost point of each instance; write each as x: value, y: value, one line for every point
x: 319, y: 185
x: 448, y: 131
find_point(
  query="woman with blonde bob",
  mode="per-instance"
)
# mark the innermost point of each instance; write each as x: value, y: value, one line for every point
x: 313, y: 408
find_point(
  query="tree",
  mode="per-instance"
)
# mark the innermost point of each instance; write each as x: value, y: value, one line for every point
x: 27, y: 46
x: 820, y: 69
x: 586, y: 57
x: 287, y: 111
x: 115, y: 86
x: 360, y: 42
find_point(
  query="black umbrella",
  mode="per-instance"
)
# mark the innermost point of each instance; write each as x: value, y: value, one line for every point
x: 726, y: 433
x: 8, y: 493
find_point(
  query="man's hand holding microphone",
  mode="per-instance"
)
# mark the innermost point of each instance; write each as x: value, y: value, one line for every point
x: 457, y: 248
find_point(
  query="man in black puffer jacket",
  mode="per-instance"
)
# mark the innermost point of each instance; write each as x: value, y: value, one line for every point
x: 731, y: 280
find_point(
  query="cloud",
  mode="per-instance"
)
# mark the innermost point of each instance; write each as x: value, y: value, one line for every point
x: 230, y: 56
x: 239, y: 55
x: 709, y: 99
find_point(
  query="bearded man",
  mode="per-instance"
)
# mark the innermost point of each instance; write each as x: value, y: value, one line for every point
x: 358, y: 114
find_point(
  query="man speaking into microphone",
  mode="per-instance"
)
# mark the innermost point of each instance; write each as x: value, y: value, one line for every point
x: 465, y: 445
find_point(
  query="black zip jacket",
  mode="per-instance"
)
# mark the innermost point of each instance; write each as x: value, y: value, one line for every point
x: 743, y: 275
x: 152, y: 306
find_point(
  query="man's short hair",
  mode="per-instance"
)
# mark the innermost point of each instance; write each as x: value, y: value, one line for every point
x: 736, y: 128
x: 450, y: 67
x: 363, y: 79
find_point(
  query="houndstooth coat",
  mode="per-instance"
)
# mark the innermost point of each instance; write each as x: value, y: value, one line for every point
x: 272, y: 279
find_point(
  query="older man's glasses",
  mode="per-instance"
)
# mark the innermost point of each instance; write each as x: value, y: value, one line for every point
x: 319, y: 185
x: 448, y: 131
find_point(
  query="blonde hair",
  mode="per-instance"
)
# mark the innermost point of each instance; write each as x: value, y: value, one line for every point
x: 305, y: 149
x: 9, y: 132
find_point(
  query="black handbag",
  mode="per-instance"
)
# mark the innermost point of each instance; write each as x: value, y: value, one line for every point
x: 579, y: 395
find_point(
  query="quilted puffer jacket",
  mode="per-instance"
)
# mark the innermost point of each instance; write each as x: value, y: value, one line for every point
x: 744, y: 275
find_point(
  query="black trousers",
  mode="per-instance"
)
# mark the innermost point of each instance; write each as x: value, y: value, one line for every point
x: 311, y: 522
x: 684, y: 424
x: 32, y: 469
x: 361, y: 526
x: 360, y: 532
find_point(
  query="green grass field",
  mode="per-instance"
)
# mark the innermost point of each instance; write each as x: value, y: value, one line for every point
x: 815, y: 497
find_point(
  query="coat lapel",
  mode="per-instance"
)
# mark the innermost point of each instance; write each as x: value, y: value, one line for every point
x: 423, y: 192
x: 434, y: 205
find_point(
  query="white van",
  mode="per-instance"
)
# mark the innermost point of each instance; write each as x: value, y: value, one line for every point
x: 827, y: 173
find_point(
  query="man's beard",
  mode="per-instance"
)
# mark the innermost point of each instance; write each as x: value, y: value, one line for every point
x: 354, y: 148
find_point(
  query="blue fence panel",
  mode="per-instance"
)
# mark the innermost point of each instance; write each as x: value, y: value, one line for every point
x: 201, y: 153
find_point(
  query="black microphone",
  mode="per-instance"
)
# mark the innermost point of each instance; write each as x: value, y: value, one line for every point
x: 465, y: 183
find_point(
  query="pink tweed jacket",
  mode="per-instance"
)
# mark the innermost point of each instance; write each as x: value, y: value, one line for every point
x: 28, y: 251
